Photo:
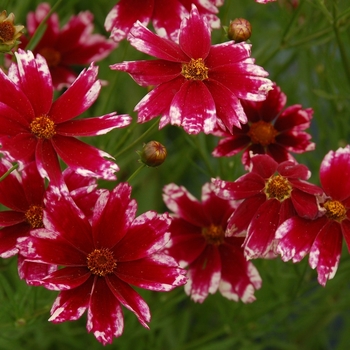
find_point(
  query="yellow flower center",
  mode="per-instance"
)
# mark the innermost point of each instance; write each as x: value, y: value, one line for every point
x: 43, y: 127
x: 262, y: 133
x: 7, y: 31
x: 214, y: 234
x: 34, y: 216
x: 52, y: 56
x: 101, y: 262
x: 278, y: 187
x: 335, y: 210
x: 195, y: 70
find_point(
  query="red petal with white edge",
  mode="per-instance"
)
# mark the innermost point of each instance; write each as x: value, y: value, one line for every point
x: 33, y: 184
x: 93, y: 126
x: 195, y: 35
x: 147, y: 235
x: 129, y: 298
x: 230, y: 146
x: 113, y: 214
x: 12, y: 122
x: 227, y: 53
x: 326, y: 250
x: 204, y: 274
x: 295, y: 118
x: 152, y: 72
x: 35, y: 81
x: 293, y: 170
x: 228, y: 106
x: 147, y: 42
x: 85, y: 159
x: 193, y: 108
x: 185, y: 205
x: 9, y: 236
x: 158, y: 272
x: 71, y: 304
x: 305, y: 204
x: 261, y: 232
x: 335, y: 173
x: 123, y: 15
x: 62, y: 77
x: 78, y: 97
x: 9, y: 218
x: 296, y: 236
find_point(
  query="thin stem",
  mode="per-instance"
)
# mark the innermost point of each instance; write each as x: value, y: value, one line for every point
x: 135, y: 172
x: 8, y: 172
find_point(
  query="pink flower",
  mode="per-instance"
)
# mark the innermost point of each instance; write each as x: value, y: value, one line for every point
x: 196, y: 85
x: 166, y: 16
x: 322, y: 238
x: 264, y: 1
x: 270, y: 130
x: 101, y: 259
x: 199, y: 238
x: 271, y: 194
x: 74, y: 44
x: 34, y: 127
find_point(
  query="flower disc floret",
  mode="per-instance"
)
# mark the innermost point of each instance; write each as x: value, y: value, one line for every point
x: 335, y: 210
x: 52, y: 56
x: 43, y: 127
x: 278, y: 187
x: 7, y: 31
x: 214, y: 234
x: 262, y: 133
x: 195, y: 70
x: 34, y: 216
x: 101, y: 262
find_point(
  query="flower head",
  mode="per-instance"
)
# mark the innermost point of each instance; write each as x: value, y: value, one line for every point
x: 322, y: 238
x: 197, y: 85
x: 271, y: 194
x: 200, y: 240
x: 271, y: 130
x: 101, y: 258
x: 9, y: 33
x: 34, y: 127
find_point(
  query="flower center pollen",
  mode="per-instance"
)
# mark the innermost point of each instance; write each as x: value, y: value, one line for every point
x: 43, y: 127
x: 262, y: 133
x: 195, y: 70
x: 335, y: 210
x: 52, y: 56
x: 278, y: 187
x: 101, y: 262
x: 214, y: 234
x: 7, y: 31
x: 34, y: 216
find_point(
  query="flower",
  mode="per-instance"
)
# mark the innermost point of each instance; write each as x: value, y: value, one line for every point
x: 34, y: 127
x: 101, y: 259
x: 271, y: 194
x: 322, y: 238
x: 165, y: 16
x: 74, y: 44
x: 9, y: 33
x: 270, y: 130
x: 200, y: 240
x: 196, y: 85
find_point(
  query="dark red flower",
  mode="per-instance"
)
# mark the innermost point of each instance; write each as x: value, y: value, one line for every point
x: 322, y: 238
x: 200, y: 240
x: 271, y: 194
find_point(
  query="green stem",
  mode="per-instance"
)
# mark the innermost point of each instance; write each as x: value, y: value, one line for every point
x: 135, y: 172
x: 8, y: 172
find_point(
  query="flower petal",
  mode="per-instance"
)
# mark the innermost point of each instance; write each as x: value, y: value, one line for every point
x: 9, y: 236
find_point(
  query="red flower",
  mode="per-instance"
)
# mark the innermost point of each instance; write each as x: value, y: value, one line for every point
x: 166, y: 16
x: 270, y: 130
x: 322, y: 237
x: 74, y: 44
x: 101, y: 259
x: 196, y: 85
x: 271, y: 194
x: 199, y: 239
x: 34, y: 127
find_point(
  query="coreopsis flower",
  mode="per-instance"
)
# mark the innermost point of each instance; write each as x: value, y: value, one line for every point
x: 322, y: 238
x: 196, y: 84
x: 32, y: 126
x: 271, y: 194
x: 73, y: 44
x: 101, y: 258
x: 166, y: 16
x: 9, y: 33
x: 199, y: 240
x: 271, y: 130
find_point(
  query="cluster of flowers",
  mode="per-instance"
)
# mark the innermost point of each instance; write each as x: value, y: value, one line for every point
x: 86, y: 242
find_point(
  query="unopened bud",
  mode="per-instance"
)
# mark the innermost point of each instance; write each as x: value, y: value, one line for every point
x: 239, y: 30
x: 153, y: 154
x: 9, y: 33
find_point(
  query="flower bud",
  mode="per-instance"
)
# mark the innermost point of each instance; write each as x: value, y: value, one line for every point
x: 153, y: 154
x: 9, y: 33
x: 239, y: 30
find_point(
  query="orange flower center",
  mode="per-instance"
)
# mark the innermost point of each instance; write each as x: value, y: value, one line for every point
x: 278, y: 187
x: 52, y: 56
x: 7, y: 31
x: 101, y: 262
x: 34, y: 216
x: 335, y: 210
x: 214, y: 234
x: 195, y: 70
x: 262, y: 133
x: 43, y: 127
